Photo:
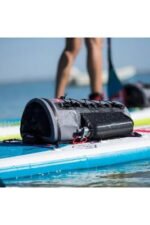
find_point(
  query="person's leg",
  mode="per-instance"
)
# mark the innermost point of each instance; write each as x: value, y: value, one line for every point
x: 67, y: 58
x: 94, y: 64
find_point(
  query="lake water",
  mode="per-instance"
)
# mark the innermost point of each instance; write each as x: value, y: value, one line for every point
x: 13, y: 98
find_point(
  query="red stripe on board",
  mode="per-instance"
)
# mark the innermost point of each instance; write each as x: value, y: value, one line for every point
x: 142, y: 130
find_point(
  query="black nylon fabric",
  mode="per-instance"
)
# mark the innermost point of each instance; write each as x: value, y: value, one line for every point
x: 60, y: 120
x: 107, y: 125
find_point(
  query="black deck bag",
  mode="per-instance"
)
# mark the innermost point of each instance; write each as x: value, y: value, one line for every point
x: 137, y: 95
x: 63, y: 120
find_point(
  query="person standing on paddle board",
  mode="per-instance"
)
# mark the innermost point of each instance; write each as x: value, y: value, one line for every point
x: 94, y: 65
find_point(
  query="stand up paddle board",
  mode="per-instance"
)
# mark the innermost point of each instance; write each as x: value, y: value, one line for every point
x: 141, y: 117
x: 18, y: 160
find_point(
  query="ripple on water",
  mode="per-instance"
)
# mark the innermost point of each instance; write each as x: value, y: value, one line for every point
x: 135, y: 174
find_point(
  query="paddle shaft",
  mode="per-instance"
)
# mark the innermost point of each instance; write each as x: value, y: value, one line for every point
x: 109, y: 52
x: 114, y: 84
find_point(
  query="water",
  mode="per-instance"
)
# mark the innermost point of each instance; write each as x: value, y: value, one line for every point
x: 135, y: 174
x: 13, y: 98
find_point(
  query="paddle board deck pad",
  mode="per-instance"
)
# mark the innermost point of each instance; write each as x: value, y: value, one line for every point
x: 18, y: 160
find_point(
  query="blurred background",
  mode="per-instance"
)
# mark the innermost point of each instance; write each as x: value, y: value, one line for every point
x: 28, y: 69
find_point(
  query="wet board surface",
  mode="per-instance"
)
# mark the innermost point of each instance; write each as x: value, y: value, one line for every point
x: 18, y: 160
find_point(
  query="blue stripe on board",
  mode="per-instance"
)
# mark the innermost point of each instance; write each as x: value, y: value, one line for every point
x: 18, y: 149
x: 76, y: 164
